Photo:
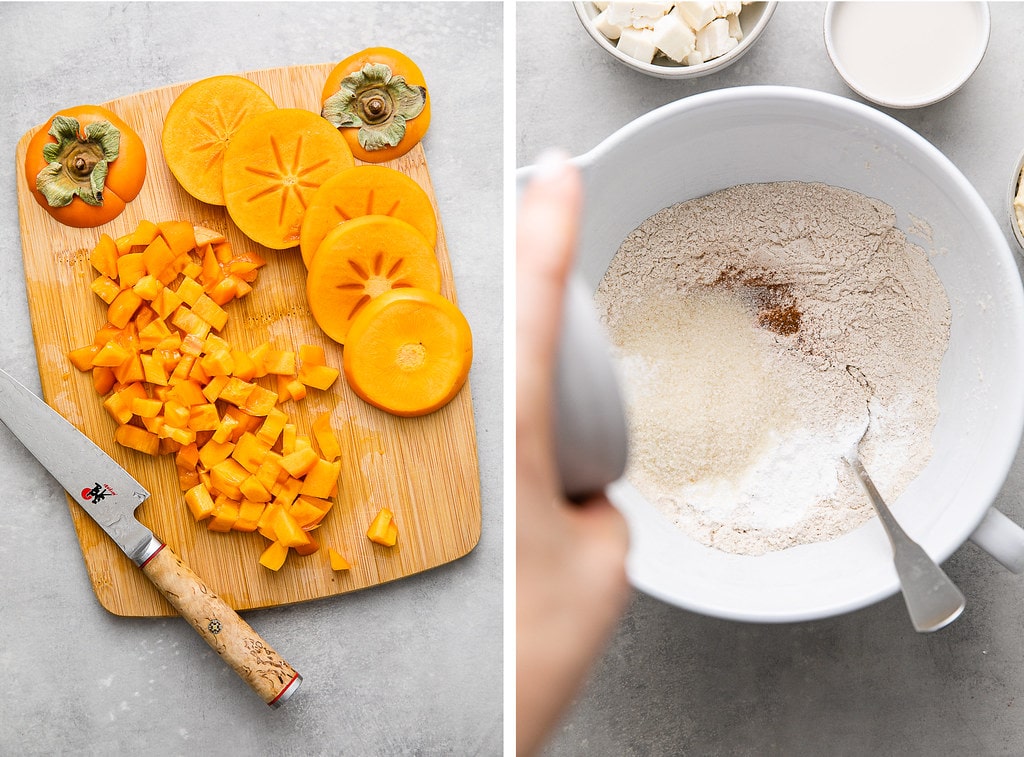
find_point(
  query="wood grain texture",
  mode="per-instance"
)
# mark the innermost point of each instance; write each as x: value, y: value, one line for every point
x: 424, y: 469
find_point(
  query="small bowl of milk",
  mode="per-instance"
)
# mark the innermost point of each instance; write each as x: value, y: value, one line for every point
x: 906, y: 54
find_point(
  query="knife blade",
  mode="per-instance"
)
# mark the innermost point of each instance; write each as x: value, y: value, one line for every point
x: 109, y: 494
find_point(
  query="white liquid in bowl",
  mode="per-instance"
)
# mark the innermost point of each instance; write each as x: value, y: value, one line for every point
x: 907, y: 53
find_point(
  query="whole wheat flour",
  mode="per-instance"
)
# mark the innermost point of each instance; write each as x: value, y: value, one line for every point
x: 760, y: 330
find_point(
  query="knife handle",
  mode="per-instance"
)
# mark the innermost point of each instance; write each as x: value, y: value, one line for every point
x: 232, y: 638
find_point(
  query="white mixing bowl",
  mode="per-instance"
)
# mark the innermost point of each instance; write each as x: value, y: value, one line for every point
x: 741, y: 135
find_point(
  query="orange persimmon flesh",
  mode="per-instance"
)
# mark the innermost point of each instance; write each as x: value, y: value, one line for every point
x: 408, y: 352
x: 362, y: 259
x: 200, y: 124
x: 361, y: 191
x: 272, y: 167
x: 174, y: 386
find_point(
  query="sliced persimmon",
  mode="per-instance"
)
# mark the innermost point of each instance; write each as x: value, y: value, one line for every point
x: 272, y: 167
x: 408, y: 352
x: 362, y: 259
x: 200, y: 124
x: 361, y: 191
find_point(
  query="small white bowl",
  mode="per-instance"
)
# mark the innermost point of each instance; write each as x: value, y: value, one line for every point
x: 893, y: 84
x: 753, y: 19
x: 1011, y: 195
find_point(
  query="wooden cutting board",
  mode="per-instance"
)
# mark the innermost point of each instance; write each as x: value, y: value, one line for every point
x: 425, y: 469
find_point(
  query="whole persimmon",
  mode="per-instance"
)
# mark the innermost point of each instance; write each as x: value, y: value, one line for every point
x: 84, y: 165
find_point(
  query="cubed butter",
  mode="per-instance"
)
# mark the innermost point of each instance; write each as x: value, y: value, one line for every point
x: 674, y: 37
x: 638, y: 44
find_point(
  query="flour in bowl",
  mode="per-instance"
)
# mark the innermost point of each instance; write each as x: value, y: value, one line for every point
x: 759, y: 331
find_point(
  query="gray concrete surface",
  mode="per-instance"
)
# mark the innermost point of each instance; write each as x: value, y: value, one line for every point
x: 675, y: 683
x: 413, y: 667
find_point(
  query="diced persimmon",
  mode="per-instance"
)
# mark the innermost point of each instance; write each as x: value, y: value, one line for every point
x: 286, y: 530
x: 111, y: 355
x: 204, y: 236
x: 188, y: 456
x: 265, y: 523
x: 123, y: 244
x: 288, y: 434
x: 242, y: 288
x: 166, y: 302
x: 260, y: 401
x: 300, y: 462
x: 189, y: 322
x: 179, y: 235
x: 279, y: 362
x: 305, y: 513
x: 146, y: 407
x: 137, y: 438
x: 153, y: 369
x: 226, y: 478
x: 130, y: 371
x: 224, y: 515
x: 203, y: 417
x: 105, y: 288
x: 382, y: 529
x: 199, y: 502
x: 318, y: 376
x: 236, y: 391
x: 184, y: 371
x: 287, y: 491
x: 273, y: 557
x: 210, y: 312
x: 157, y: 257
x: 272, y: 425
x: 322, y: 480
x: 82, y: 357
x: 188, y: 393
x: 224, y: 429
x: 259, y: 359
x: 153, y: 334
x: 337, y: 561
x: 102, y: 379
x: 121, y: 310
x: 104, y: 256
x: 214, y: 452
x: 295, y: 388
x: 223, y: 251
x: 250, y: 451
x: 179, y: 435
x: 246, y: 422
x: 312, y: 354
x: 154, y: 425
x: 326, y: 439
x: 144, y: 233
x: 130, y: 268
x: 148, y: 287
x: 176, y: 414
x: 249, y: 514
x: 218, y: 363
x: 270, y: 470
x: 223, y: 291
x: 187, y: 477
x: 189, y: 290
x: 254, y: 490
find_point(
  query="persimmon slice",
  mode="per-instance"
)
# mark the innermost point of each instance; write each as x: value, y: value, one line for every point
x: 200, y: 124
x: 361, y: 191
x: 362, y: 259
x: 272, y: 167
x: 408, y: 352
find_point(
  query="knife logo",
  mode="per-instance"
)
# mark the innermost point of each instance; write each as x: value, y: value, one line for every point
x: 97, y: 492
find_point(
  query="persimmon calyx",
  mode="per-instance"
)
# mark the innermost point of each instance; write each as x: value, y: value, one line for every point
x: 376, y: 103
x: 77, y: 166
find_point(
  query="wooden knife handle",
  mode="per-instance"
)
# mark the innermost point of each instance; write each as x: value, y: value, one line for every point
x: 221, y: 627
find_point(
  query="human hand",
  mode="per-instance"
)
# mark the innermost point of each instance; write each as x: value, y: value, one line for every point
x: 570, y: 558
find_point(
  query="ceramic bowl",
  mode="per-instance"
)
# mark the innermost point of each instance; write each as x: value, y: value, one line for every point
x: 754, y: 18
x: 741, y: 135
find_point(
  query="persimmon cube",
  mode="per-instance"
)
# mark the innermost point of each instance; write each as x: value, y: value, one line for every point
x: 104, y: 256
x: 273, y: 423
x: 82, y: 357
x: 260, y: 401
x: 309, y: 547
x: 223, y: 251
x: 280, y: 362
x: 318, y: 376
x: 190, y: 291
x: 215, y: 386
x: 154, y: 370
x: 144, y: 233
x: 287, y: 491
x: 166, y: 302
x: 288, y: 436
x: 259, y: 358
x: 250, y: 451
x: 154, y: 333
x: 137, y: 438
x: 102, y: 379
x: 105, y: 288
x: 146, y: 407
x: 199, y: 502
x: 249, y: 514
x: 218, y: 363
x: 148, y: 287
x: 214, y: 452
x: 176, y: 414
x: 224, y: 429
x: 187, y: 477
x: 130, y: 268
x: 178, y: 435
x: 312, y: 354
x: 237, y: 391
x: 210, y: 312
x: 187, y: 392
x: 380, y: 531
x: 123, y: 307
x: 179, y: 235
x: 252, y: 489
x: 295, y: 388
x: 300, y: 462
x: 244, y: 367
x: 188, y: 456
x: 157, y: 257
x: 227, y: 476
x: 326, y: 439
x: 223, y: 291
x: 265, y: 525
x: 338, y: 562
x: 225, y: 513
x: 130, y: 371
x: 269, y: 471
x: 305, y: 513
x: 273, y: 557
x: 119, y: 404
x: 322, y: 479
x: 204, y: 236
x: 204, y: 417
x: 287, y: 531
x: 183, y: 371
x: 189, y: 322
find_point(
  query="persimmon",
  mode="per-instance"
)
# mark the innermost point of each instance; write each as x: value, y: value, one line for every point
x: 272, y: 167
x: 361, y: 191
x: 200, y: 124
x: 84, y: 165
x: 408, y: 352
x: 362, y: 259
x: 378, y: 98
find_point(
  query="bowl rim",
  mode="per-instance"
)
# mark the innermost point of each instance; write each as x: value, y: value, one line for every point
x: 677, y: 71
x: 987, y: 491
x: 921, y: 102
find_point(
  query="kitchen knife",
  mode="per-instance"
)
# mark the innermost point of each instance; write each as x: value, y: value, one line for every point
x: 109, y: 495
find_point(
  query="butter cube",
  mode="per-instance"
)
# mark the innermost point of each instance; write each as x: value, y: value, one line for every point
x: 674, y: 37
x: 697, y: 14
x: 714, y: 40
x: 638, y: 44
x: 606, y: 27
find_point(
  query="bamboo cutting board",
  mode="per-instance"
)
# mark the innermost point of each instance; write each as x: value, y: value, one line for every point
x: 424, y: 469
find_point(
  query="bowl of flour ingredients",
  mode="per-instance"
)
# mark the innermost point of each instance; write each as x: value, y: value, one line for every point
x: 778, y: 270
x: 673, y: 40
